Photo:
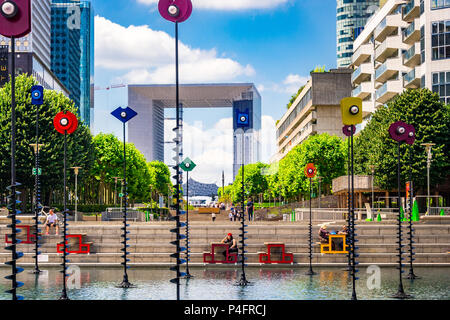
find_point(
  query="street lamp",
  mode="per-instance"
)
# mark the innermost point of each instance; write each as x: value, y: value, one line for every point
x: 37, y: 205
x: 428, y: 147
x: 76, y: 169
x: 372, y: 169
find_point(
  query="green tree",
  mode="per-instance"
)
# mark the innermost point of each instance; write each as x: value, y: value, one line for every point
x: 80, y: 147
x: 430, y: 118
x: 159, y: 177
x: 109, y: 164
x: 327, y: 152
x: 255, y: 182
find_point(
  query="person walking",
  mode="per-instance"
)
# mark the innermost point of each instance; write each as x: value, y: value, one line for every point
x: 250, y: 209
x: 213, y: 216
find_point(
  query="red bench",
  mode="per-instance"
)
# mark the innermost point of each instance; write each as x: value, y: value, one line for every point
x: 75, y: 241
x: 26, y: 235
x: 276, y: 253
x: 216, y: 254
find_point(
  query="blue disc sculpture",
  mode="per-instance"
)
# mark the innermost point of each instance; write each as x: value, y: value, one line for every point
x: 124, y: 115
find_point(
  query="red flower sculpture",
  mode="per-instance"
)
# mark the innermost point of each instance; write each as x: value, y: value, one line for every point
x: 65, y: 122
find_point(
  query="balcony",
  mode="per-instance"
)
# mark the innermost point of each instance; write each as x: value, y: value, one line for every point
x: 388, y: 26
x: 388, y: 48
x: 363, y: 90
x: 388, y: 69
x: 411, y: 34
x: 368, y: 107
x: 411, y: 57
x: 412, y: 79
x: 362, y: 54
x: 411, y: 10
x: 362, y: 73
x: 388, y: 90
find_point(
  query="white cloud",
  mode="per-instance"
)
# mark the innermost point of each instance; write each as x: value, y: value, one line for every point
x: 212, y: 149
x: 290, y: 84
x: 147, y: 56
x: 229, y: 5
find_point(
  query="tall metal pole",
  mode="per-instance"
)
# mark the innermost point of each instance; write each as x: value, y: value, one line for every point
x: 13, y: 200
x: 243, y: 281
x: 354, y: 255
x: 349, y: 225
x: 411, y: 274
x: 310, y: 271
x: 188, y: 275
x: 37, y: 199
x: 125, y: 283
x: 400, y: 293
x: 64, y: 291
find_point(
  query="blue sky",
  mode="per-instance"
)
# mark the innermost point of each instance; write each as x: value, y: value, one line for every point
x: 272, y: 43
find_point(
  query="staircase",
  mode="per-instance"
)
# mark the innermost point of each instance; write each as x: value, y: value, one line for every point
x: 149, y: 243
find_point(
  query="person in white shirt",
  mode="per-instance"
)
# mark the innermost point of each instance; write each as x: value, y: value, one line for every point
x: 51, y: 221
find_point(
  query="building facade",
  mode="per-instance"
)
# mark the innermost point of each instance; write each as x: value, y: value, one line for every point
x: 351, y: 16
x: 33, y: 53
x: 73, y: 52
x: 316, y: 110
x: 406, y: 44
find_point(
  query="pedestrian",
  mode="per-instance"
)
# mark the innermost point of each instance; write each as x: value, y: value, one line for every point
x: 213, y: 216
x: 250, y: 209
x: 230, y: 215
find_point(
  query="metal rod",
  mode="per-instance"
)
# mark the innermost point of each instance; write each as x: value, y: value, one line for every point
x: 411, y: 274
x: 37, y: 195
x: 243, y: 281
x: 125, y: 283
x: 310, y: 271
x: 188, y: 275
x: 177, y: 101
x: 64, y: 291
x: 352, y: 215
x: 13, y: 173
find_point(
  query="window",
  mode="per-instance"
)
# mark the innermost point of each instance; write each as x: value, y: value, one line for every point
x: 440, y: 40
x: 439, y: 4
x: 441, y: 85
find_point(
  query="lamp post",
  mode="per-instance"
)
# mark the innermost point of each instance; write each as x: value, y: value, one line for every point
x: 115, y: 189
x: 372, y: 169
x: 37, y: 205
x: 428, y: 147
x: 76, y: 170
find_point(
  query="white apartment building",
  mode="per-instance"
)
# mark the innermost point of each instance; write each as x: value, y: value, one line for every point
x: 405, y: 44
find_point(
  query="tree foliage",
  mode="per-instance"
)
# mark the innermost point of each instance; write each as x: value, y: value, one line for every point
x: 431, y: 120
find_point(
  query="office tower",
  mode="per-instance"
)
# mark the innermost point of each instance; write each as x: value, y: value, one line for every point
x: 351, y: 17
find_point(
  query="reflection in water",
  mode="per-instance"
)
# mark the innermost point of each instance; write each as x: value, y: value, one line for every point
x: 220, y: 284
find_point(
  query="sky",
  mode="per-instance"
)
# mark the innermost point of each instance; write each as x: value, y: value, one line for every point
x: 271, y: 43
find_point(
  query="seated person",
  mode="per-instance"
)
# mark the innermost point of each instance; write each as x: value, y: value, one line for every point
x: 51, y: 221
x: 323, y: 234
x: 232, y: 245
x: 344, y: 230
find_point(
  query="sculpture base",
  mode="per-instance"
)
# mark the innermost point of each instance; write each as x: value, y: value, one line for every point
x: 125, y: 285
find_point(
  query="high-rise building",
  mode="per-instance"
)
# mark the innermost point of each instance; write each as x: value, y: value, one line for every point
x: 33, y: 55
x: 316, y: 110
x: 406, y: 44
x: 351, y: 17
x: 73, y: 51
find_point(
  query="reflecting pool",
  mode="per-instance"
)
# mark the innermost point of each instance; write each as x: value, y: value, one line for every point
x: 219, y: 284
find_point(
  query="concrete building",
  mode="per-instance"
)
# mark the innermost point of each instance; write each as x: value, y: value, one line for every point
x: 316, y: 110
x: 33, y: 53
x: 351, y: 16
x: 73, y: 51
x: 406, y: 44
x: 149, y: 101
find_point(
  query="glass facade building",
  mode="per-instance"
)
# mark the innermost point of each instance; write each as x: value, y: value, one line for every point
x: 351, y: 17
x: 73, y: 52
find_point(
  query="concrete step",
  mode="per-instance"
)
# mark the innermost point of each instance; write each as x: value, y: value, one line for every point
x: 252, y: 258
